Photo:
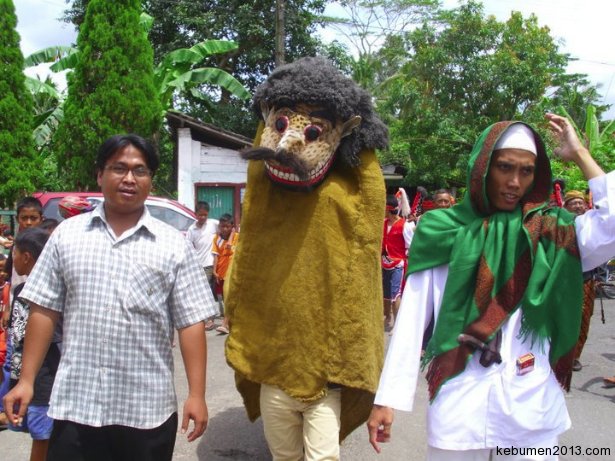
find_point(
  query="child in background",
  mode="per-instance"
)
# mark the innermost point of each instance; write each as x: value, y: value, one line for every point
x: 225, y: 242
x: 29, y: 213
x: 4, y: 301
x: 27, y: 248
x: 6, y: 239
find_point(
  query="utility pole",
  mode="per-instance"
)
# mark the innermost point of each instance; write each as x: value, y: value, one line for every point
x: 280, y: 34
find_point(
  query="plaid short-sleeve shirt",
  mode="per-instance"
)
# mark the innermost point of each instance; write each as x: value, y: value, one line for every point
x: 120, y: 299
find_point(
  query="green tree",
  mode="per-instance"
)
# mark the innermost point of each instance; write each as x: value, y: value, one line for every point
x: 575, y: 94
x: 249, y: 24
x: 368, y: 24
x: 184, y: 23
x: 176, y: 75
x: 47, y: 109
x: 20, y: 164
x: 461, y: 74
x: 111, y: 89
x: 178, y: 72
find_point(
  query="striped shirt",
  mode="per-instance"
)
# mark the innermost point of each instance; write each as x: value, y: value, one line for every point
x: 120, y: 299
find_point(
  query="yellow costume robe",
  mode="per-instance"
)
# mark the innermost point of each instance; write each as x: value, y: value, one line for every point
x: 304, y: 297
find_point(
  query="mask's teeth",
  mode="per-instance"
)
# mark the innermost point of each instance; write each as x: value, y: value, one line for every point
x: 314, y: 176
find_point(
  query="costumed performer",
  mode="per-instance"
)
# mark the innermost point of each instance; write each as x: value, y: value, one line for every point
x: 304, y: 294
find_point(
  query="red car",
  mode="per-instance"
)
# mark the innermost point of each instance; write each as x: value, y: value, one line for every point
x: 167, y: 210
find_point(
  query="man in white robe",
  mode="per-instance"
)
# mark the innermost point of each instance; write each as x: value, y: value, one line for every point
x: 513, y: 400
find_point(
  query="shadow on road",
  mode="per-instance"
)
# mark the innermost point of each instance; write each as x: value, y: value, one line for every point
x: 609, y: 356
x: 231, y: 436
x: 596, y: 387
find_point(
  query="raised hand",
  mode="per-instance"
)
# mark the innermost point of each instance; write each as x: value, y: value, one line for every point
x: 570, y: 148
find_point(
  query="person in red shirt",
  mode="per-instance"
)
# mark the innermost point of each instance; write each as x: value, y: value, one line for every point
x: 397, y: 234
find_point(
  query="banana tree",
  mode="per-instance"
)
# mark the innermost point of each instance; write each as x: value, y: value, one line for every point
x: 600, y: 142
x: 48, y: 109
x: 48, y: 101
x: 62, y: 57
x: 592, y: 135
x: 179, y: 72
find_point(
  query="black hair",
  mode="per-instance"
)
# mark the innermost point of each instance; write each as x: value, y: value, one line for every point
x: 442, y: 191
x: 29, y: 202
x: 31, y: 240
x: 49, y: 224
x: 201, y: 206
x: 226, y: 218
x: 113, y: 144
x: 316, y: 81
x: 392, y: 201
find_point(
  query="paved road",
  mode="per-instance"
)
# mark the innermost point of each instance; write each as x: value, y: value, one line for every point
x: 231, y: 436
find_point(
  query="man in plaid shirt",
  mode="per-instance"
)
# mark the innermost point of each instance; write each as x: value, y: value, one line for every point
x: 121, y: 281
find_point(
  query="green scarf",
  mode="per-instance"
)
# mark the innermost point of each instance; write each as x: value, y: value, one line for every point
x: 499, y: 261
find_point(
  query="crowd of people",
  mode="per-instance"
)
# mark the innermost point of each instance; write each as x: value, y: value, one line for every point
x: 471, y: 291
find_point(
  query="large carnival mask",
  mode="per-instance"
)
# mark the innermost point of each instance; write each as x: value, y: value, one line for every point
x: 298, y: 144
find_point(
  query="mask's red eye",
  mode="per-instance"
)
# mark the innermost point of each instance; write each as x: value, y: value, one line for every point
x: 281, y: 123
x: 312, y: 132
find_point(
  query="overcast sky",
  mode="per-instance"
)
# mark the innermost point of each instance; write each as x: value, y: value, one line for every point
x: 585, y: 29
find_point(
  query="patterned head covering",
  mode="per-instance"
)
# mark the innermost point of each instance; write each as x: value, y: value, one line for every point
x: 72, y: 205
x: 572, y: 194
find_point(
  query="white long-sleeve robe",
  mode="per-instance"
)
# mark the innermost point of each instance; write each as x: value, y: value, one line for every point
x: 489, y: 407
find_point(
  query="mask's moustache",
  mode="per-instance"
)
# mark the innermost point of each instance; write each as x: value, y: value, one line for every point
x: 281, y: 156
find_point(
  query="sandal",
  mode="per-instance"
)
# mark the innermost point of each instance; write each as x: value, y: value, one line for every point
x: 210, y: 325
x: 222, y: 330
x: 4, y: 421
x: 609, y: 382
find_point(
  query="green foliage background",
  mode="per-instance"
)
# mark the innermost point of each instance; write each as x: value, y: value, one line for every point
x: 437, y: 86
x: 110, y: 91
x: 183, y: 23
x: 20, y: 164
x: 460, y: 74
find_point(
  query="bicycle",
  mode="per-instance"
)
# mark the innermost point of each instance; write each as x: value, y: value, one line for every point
x: 605, y: 280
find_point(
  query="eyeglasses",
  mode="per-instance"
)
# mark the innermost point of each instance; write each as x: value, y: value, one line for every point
x: 122, y: 170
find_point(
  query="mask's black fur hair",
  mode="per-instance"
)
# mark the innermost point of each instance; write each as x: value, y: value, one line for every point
x: 316, y: 81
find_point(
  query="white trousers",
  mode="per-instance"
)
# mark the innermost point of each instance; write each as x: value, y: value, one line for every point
x: 295, y: 429
x: 523, y: 453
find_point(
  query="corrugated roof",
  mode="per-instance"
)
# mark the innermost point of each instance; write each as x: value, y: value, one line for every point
x: 207, y: 133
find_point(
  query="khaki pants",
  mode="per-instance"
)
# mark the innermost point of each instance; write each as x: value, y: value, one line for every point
x: 294, y: 429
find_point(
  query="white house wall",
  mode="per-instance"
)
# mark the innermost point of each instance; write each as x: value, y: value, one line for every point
x: 203, y: 163
x: 185, y: 188
x: 218, y: 164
